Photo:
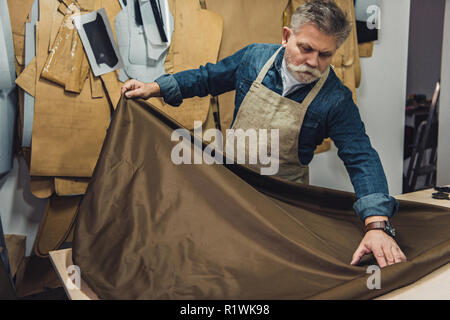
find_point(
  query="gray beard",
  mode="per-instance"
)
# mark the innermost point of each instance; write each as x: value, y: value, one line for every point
x: 299, y: 73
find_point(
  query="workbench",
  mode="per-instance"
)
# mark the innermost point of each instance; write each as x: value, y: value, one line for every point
x: 435, y: 285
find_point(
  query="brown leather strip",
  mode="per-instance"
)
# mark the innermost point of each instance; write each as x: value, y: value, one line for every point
x: 376, y: 225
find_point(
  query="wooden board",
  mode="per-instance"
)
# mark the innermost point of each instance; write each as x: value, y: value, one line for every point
x: 434, y: 286
x: 424, y: 196
x: 62, y: 260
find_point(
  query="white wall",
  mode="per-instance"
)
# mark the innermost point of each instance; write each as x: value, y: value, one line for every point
x: 443, y: 161
x: 425, y: 46
x: 21, y: 212
x: 381, y: 101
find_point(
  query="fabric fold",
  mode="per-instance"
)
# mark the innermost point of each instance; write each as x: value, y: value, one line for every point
x: 150, y: 229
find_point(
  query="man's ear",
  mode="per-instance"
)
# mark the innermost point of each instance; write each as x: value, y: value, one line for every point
x: 286, y: 36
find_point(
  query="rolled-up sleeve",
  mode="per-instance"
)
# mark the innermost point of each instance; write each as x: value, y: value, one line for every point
x: 170, y: 90
x: 362, y: 162
x: 376, y: 204
x: 213, y: 79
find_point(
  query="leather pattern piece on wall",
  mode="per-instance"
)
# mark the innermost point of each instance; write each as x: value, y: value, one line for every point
x: 150, y: 229
x: 366, y: 49
x: 26, y: 100
x: 66, y: 62
x: 42, y: 187
x: 143, y: 57
x: 68, y: 128
x: 70, y: 186
x: 245, y: 22
x: 19, y: 11
x: 196, y: 41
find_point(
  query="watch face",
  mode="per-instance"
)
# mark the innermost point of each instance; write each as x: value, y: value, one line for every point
x: 389, y: 229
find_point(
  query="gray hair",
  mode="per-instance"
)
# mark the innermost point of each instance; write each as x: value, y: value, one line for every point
x: 326, y: 16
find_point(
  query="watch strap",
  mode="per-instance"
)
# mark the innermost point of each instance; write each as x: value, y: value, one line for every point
x: 376, y: 225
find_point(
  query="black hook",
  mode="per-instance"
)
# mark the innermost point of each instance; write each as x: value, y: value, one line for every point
x: 441, y: 196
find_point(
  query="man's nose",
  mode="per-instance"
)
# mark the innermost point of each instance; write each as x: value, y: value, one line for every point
x: 313, y: 59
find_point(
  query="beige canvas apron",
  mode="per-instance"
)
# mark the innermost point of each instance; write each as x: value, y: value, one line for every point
x: 263, y: 108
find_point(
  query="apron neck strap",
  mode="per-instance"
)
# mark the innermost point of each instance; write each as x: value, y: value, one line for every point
x: 317, y: 87
x: 312, y: 94
x: 266, y: 67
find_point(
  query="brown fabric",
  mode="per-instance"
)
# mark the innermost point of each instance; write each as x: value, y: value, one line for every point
x: 149, y: 229
x: 69, y: 238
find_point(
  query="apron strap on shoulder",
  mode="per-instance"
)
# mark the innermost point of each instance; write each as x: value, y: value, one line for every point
x: 266, y: 67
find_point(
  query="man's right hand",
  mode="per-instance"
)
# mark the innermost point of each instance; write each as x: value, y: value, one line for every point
x: 137, y: 89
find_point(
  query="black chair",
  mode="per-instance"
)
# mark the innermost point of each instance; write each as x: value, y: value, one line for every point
x: 424, y: 150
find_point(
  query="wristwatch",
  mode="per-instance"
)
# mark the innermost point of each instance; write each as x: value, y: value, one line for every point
x: 386, y: 226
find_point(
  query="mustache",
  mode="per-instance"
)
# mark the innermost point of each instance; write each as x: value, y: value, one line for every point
x: 304, y: 68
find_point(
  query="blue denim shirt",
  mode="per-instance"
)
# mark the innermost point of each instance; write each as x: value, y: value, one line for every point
x: 332, y: 114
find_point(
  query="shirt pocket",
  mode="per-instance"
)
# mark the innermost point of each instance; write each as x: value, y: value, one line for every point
x: 242, y: 89
x: 310, y: 128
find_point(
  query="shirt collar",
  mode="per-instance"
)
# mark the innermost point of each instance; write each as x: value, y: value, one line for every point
x: 278, y: 64
x: 290, y: 84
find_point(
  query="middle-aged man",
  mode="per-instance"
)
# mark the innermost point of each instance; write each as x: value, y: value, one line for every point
x: 293, y: 84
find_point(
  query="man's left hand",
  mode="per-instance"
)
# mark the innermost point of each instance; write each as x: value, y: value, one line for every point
x: 383, y: 247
